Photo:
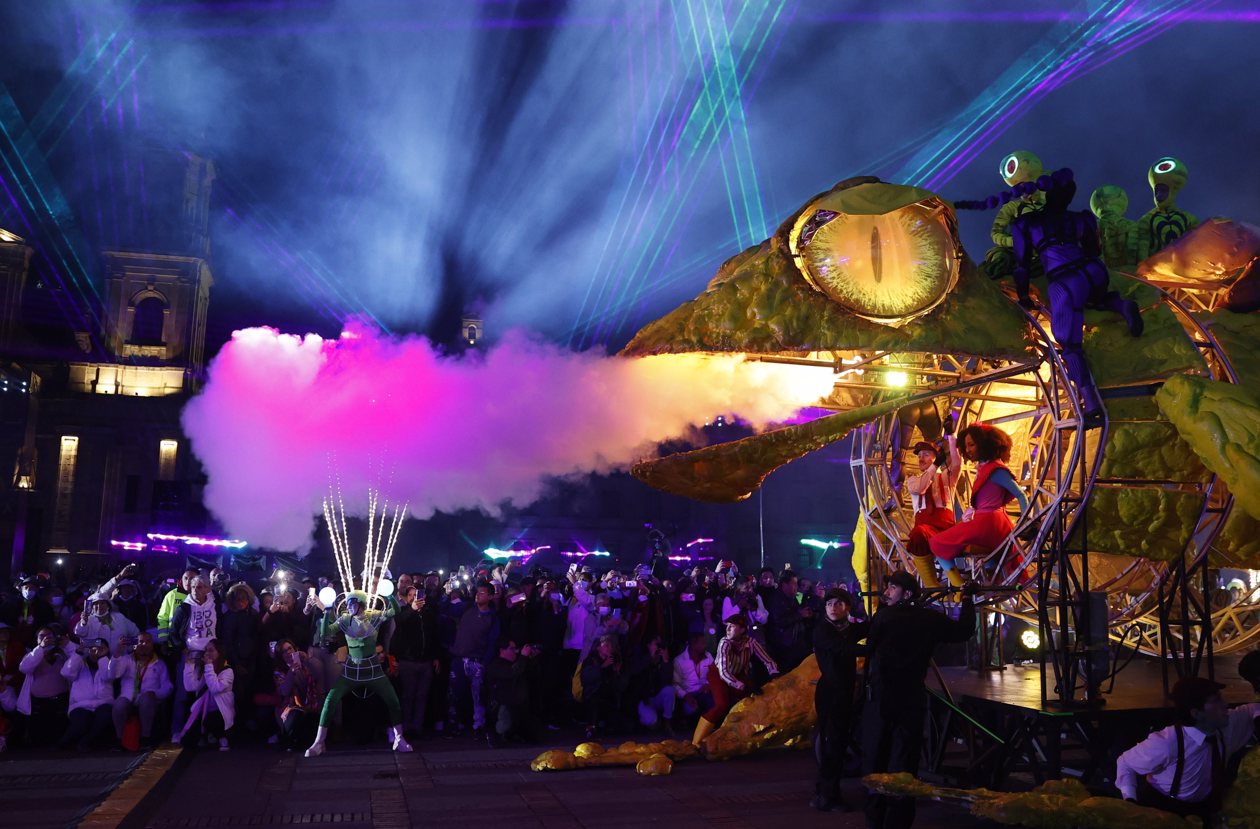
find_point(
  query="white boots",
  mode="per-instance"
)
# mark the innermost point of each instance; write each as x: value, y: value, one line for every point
x: 397, y: 741
x: 317, y: 747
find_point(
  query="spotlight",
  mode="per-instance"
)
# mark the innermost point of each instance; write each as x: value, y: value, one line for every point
x: 1030, y: 639
x: 896, y: 379
x: 60, y: 561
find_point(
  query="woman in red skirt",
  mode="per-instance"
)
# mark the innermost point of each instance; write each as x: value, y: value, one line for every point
x: 995, y: 487
x: 729, y: 676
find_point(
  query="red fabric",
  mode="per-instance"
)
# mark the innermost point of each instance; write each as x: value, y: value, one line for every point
x: 985, y: 530
x: 983, y: 474
x: 724, y: 697
x: 131, y: 734
x: 927, y: 523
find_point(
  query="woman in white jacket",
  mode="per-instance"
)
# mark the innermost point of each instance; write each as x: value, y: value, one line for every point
x: 45, y: 693
x: 214, y: 713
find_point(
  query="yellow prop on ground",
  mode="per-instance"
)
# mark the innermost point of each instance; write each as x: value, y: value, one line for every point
x: 1052, y: 805
x: 1241, y: 809
x: 592, y: 755
x: 781, y: 717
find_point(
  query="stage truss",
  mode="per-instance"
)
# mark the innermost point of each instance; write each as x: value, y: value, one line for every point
x: 1158, y: 608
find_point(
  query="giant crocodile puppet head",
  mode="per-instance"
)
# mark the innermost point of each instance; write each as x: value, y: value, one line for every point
x: 870, y: 269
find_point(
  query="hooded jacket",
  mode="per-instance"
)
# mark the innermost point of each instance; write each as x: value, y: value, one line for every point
x: 194, y: 625
x: 111, y: 627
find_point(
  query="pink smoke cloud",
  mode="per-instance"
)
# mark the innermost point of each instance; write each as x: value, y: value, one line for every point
x: 281, y: 414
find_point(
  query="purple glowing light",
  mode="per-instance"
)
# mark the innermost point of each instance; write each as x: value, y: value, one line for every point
x: 198, y: 541
x: 691, y: 544
x: 129, y: 545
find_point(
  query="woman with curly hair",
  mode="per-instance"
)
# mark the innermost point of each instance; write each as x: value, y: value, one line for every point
x: 988, y: 525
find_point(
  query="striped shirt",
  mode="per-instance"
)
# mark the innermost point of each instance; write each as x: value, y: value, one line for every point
x: 733, y: 656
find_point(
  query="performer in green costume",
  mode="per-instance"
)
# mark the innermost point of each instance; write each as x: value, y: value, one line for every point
x: 1117, y: 235
x: 1019, y: 166
x: 1164, y: 223
x: 363, y: 667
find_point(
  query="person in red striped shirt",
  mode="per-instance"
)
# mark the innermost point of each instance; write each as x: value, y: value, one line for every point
x: 730, y: 678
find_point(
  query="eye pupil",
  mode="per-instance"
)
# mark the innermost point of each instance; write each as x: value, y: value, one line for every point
x: 1011, y: 166
x: 877, y: 256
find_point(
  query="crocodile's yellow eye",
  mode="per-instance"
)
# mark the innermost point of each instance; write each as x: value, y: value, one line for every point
x: 889, y: 267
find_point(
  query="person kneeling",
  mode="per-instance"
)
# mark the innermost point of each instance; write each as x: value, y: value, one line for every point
x: 213, y: 714
x: 1183, y: 769
x: 730, y: 676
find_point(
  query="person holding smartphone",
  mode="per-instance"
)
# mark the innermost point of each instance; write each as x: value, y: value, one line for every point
x: 415, y: 646
x: 143, y: 684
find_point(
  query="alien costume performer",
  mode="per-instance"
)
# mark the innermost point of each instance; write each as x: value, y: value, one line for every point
x: 1017, y: 168
x: 363, y: 669
x: 1164, y: 223
x: 1066, y: 243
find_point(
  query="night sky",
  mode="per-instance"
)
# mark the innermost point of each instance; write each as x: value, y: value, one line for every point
x: 579, y: 168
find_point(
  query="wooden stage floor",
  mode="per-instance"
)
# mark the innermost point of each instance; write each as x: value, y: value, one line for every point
x: 1139, y: 686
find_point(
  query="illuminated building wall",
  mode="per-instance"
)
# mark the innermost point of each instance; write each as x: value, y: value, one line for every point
x: 15, y: 259
x: 90, y: 440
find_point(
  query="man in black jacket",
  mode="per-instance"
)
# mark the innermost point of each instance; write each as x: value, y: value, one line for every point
x: 415, y: 646
x: 901, y: 640
x: 836, y: 646
x: 787, y: 634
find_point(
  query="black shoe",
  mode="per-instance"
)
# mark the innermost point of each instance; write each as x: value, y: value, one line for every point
x: 1133, y: 317
x: 826, y: 804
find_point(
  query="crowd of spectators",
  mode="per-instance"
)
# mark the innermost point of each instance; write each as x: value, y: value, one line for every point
x: 499, y: 653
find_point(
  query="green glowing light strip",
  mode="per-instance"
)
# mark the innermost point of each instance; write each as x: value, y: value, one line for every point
x: 122, y: 86
x: 1068, y: 42
x: 693, y: 122
x: 701, y: 124
x: 70, y: 84
x: 29, y: 174
x: 733, y: 103
x: 637, y: 185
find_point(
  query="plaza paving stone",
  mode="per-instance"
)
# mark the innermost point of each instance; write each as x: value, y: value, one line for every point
x: 443, y: 783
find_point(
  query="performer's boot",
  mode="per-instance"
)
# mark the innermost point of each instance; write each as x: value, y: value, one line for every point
x: 397, y: 741
x: 926, y: 566
x: 703, y: 729
x: 317, y: 747
x: 1133, y: 318
x: 956, y: 577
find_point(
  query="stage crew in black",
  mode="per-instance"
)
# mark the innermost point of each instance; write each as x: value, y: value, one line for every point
x: 1183, y: 769
x: 902, y: 637
x: 836, y: 645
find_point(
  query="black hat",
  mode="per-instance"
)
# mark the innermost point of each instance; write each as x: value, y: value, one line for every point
x: 1193, y: 692
x: 1249, y: 669
x: 924, y: 446
x: 838, y: 593
x: 905, y: 581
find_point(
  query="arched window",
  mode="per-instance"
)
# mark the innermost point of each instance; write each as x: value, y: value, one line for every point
x: 146, y: 329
